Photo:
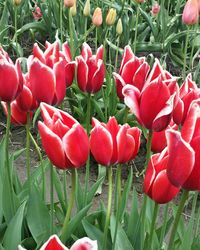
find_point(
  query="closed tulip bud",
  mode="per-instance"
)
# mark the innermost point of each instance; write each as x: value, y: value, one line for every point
x: 139, y: 1
x: 73, y: 10
x: 155, y: 9
x: 191, y: 12
x: 69, y: 3
x: 97, y: 18
x: 17, y: 2
x: 119, y: 27
x: 86, y: 10
x: 111, y: 17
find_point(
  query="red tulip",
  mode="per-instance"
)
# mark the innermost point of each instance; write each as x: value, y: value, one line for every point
x: 188, y: 92
x: 191, y: 12
x: 55, y: 71
x: 133, y: 70
x: 11, y: 80
x: 64, y: 132
x: 90, y: 69
x: 54, y: 243
x: 184, y: 162
x: 112, y: 143
x: 156, y: 182
x: 159, y: 141
x: 153, y: 110
x: 37, y: 13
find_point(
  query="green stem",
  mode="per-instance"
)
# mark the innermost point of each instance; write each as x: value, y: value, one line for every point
x: 196, y: 231
x: 136, y: 24
x: 177, y: 218
x: 28, y: 162
x: 104, y: 44
x: 117, y: 52
x: 70, y: 206
x: 51, y: 199
x: 155, y: 213
x: 42, y: 165
x: 185, y: 53
x: 7, y: 163
x: 65, y: 186
x: 109, y: 206
x: 86, y: 19
x: 16, y: 26
x: 192, y: 51
x: 71, y: 33
x: 148, y: 154
x: 61, y: 21
x: 96, y: 40
x: 164, y: 225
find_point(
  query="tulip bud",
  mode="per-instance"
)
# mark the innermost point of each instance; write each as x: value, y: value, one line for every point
x: 97, y: 18
x: 139, y: 1
x: 111, y: 17
x: 86, y: 10
x: 69, y: 3
x: 73, y: 9
x: 191, y: 12
x: 17, y: 2
x: 155, y: 9
x: 119, y: 27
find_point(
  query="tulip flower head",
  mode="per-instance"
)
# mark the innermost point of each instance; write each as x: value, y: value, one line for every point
x: 112, y: 143
x: 111, y: 17
x: 97, y: 18
x: 156, y: 182
x: 133, y: 70
x: 69, y: 3
x: 86, y: 10
x: 17, y: 2
x: 37, y: 13
x: 64, y: 132
x: 55, y: 243
x: 119, y: 27
x: 11, y: 80
x: 90, y: 69
x: 73, y: 9
x: 155, y: 9
x: 191, y: 12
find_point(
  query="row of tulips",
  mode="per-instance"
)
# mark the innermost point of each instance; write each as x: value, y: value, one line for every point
x: 152, y: 95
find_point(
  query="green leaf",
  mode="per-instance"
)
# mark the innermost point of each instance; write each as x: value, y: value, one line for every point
x: 38, y: 217
x: 122, y: 241
x: 13, y: 233
x: 39, y: 26
x: 93, y: 189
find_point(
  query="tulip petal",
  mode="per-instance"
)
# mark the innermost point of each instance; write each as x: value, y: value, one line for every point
x: 86, y: 51
x: 155, y: 72
x: 76, y: 152
x: 37, y: 52
x: 98, y: 77
x: 82, y: 73
x: 140, y: 76
x: 101, y: 145
x: 162, y: 190
x: 120, y: 83
x: 54, y: 243
x: 42, y: 82
x: 99, y: 54
x: 85, y: 244
x: 67, y: 51
x: 178, y: 112
x: 53, y: 146
x: 135, y: 133
x: 127, y: 56
x: 69, y: 73
x: 25, y: 99
x: 129, y: 70
x: 181, y: 158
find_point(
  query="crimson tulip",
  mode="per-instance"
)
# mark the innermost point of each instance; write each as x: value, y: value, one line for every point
x: 152, y: 110
x: 159, y: 141
x: 112, y: 143
x: 191, y: 12
x: 55, y: 71
x: 156, y: 182
x: 90, y: 69
x: 11, y: 80
x: 183, y: 147
x: 64, y: 132
x: 189, y: 92
x: 54, y: 243
x: 133, y: 70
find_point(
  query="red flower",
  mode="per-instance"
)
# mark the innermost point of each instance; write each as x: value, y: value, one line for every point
x: 50, y: 73
x: 153, y: 109
x: 11, y: 80
x: 191, y: 12
x: 189, y: 91
x: 90, y: 69
x: 112, y: 143
x: 37, y: 13
x: 156, y: 182
x: 55, y: 244
x: 184, y: 151
x: 63, y: 132
x: 133, y: 70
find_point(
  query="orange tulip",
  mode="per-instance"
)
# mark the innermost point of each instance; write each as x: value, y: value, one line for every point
x: 191, y: 12
x: 97, y: 17
x: 69, y: 3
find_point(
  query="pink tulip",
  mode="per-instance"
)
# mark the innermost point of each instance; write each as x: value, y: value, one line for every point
x: 191, y: 12
x: 64, y: 132
x: 54, y: 243
x: 153, y: 110
x: 133, y: 70
x: 155, y: 9
x: 112, y: 143
x: 156, y: 182
x: 90, y: 69
x: 11, y: 80
x: 37, y: 13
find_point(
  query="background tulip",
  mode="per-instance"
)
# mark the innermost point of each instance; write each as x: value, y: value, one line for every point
x: 191, y: 12
x: 90, y: 69
x: 64, y: 132
x: 112, y: 143
x: 97, y: 18
x: 155, y: 9
x: 111, y: 17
